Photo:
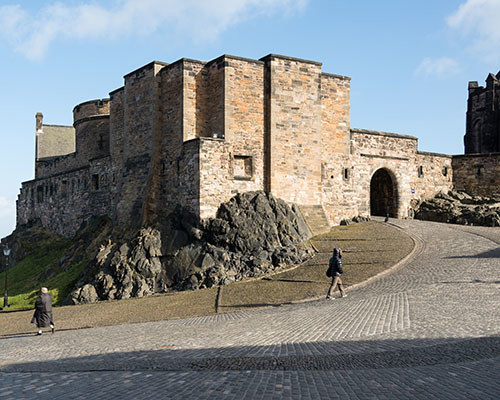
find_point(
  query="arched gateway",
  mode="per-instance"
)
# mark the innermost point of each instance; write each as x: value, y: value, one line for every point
x: 383, y: 194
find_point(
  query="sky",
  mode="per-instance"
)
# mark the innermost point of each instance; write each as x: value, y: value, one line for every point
x: 410, y: 61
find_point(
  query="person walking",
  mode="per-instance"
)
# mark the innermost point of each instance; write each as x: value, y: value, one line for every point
x: 43, y: 311
x: 336, y: 271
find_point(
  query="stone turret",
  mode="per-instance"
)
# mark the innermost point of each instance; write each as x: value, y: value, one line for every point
x: 483, y: 117
x: 91, y: 122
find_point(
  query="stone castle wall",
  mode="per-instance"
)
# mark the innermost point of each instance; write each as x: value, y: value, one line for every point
x: 180, y: 162
x: 64, y: 201
x: 477, y: 174
x: 432, y: 173
x: 139, y: 142
x: 294, y: 129
x: 195, y: 133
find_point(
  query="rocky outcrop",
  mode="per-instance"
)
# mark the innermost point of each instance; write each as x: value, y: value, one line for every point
x: 253, y: 234
x: 355, y: 220
x: 460, y: 208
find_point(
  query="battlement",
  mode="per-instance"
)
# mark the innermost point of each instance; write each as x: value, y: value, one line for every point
x: 380, y: 133
x: 137, y: 73
x: 271, y: 57
x: 90, y: 109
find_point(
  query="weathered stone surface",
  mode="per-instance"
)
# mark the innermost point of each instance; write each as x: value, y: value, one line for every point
x: 253, y: 234
x: 460, y: 208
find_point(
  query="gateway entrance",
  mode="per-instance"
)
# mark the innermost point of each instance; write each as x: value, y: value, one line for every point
x: 383, y: 197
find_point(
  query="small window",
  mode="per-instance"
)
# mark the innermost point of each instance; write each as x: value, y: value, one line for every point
x: 480, y: 171
x: 420, y: 171
x: 39, y: 194
x: 346, y: 174
x: 100, y: 143
x: 95, y: 182
x: 178, y: 166
x: 445, y: 171
x: 242, y: 167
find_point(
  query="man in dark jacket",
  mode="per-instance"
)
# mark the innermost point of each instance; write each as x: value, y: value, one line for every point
x: 336, y: 271
x: 43, y: 311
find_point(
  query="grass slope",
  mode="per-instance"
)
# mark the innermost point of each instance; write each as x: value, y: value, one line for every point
x: 41, y: 268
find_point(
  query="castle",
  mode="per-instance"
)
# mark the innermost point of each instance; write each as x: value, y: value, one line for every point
x: 194, y: 133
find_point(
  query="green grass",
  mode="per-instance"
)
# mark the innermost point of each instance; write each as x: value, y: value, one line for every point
x: 27, y: 277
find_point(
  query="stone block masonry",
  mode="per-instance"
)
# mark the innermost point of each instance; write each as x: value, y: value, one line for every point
x: 477, y: 174
x: 195, y: 133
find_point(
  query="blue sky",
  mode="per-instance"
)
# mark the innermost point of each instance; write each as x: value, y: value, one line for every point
x: 410, y: 61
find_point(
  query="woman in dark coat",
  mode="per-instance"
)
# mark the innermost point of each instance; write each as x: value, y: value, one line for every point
x: 43, y: 311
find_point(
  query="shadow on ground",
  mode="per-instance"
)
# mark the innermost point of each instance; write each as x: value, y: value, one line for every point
x: 348, y: 355
x: 495, y: 253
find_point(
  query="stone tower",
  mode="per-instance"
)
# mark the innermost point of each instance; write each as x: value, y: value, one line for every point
x: 483, y: 117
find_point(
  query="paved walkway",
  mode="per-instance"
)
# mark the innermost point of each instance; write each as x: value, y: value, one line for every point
x: 428, y: 330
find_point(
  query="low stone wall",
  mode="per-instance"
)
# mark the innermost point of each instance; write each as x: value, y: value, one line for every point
x: 64, y: 201
x: 432, y: 174
x: 49, y: 166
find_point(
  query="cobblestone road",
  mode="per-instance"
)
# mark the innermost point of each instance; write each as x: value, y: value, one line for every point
x: 427, y: 330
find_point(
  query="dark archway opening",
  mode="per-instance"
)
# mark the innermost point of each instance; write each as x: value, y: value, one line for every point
x: 383, y: 199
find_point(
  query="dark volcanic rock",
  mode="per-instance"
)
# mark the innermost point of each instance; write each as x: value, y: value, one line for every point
x: 253, y: 234
x: 357, y: 219
x: 460, y: 208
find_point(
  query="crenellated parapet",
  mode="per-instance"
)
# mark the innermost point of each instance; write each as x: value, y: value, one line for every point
x: 92, y: 109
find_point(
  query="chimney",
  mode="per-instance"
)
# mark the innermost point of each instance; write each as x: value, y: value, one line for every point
x: 39, y: 122
x: 39, y: 130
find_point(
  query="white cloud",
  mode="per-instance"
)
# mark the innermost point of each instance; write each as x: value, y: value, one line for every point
x: 7, y: 207
x: 7, y: 216
x: 32, y: 35
x: 438, y: 67
x: 480, y: 20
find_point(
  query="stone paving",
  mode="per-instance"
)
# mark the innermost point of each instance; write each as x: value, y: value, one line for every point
x: 430, y: 329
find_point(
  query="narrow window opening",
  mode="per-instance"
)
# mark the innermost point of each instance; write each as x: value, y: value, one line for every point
x: 39, y: 194
x: 420, y: 171
x: 95, y: 182
x: 346, y: 174
x: 100, y: 143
